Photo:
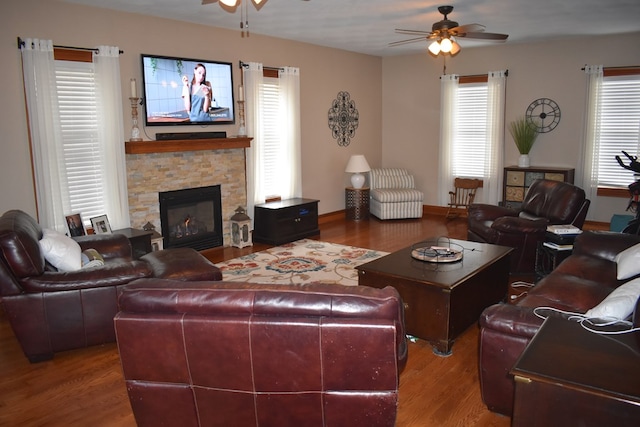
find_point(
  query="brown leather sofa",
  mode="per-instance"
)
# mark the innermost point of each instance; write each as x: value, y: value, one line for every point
x: 238, y: 354
x: 578, y: 284
x: 50, y: 310
x: 546, y: 202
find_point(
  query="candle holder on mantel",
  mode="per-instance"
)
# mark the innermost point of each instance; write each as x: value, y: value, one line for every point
x: 242, y: 129
x: 135, y: 131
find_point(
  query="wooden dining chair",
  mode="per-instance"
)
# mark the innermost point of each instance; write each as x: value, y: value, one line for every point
x: 462, y: 196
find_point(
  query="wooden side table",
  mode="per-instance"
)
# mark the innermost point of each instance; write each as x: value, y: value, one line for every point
x: 140, y: 240
x: 357, y: 203
x: 568, y: 375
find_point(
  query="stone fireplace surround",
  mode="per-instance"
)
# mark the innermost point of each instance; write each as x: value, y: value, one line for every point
x: 150, y: 172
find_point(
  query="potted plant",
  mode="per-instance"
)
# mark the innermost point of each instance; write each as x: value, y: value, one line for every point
x: 524, y: 134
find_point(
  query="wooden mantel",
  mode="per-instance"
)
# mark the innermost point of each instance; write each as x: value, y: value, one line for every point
x: 170, y: 146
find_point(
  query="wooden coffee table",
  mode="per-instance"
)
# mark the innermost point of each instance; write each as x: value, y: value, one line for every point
x: 442, y: 299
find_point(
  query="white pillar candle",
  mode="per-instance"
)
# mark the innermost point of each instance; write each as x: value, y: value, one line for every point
x: 134, y: 92
x: 240, y: 93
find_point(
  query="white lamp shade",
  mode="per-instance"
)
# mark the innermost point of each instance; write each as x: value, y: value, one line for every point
x: 455, y: 48
x: 446, y: 45
x: 434, y: 48
x: 357, y: 163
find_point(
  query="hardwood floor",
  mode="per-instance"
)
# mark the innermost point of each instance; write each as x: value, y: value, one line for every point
x: 85, y: 387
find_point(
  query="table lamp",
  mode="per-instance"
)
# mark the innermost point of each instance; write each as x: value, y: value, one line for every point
x: 357, y: 165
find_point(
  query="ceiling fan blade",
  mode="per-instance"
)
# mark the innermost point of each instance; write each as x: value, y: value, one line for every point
x: 468, y: 28
x: 401, y: 42
x: 484, y: 36
x: 417, y: 32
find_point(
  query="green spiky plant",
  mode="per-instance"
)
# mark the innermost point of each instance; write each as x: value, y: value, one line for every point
x: 524, y: 134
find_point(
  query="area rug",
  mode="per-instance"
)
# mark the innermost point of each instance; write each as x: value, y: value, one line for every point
x: 299, y: 262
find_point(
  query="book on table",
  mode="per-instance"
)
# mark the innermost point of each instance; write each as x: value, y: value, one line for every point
x: 563, y: 229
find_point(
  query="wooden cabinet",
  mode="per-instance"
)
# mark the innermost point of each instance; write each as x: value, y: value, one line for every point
x: 517, y: 181
x: 285, y: 221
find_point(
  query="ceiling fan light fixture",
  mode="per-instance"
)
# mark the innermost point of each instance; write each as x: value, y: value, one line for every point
x: 434, y: 48
x: 229, y: 3
x: 446, y: 45
x: 256, y: 2
x: 455, y: 48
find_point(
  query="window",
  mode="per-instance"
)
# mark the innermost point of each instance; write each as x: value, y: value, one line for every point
x: 82, y: 169
x: 470, y: 132
x: 619, y: 125
x: 271, y: 155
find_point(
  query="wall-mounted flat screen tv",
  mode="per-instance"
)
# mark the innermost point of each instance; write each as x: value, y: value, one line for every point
x: 184, y: 91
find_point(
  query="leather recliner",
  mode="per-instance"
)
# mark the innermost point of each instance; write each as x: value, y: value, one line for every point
x: 50, y: 310
x: 222, y: 354
x: 546, y: 203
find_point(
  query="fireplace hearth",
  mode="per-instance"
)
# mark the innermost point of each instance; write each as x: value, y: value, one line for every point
x: 191, y: 217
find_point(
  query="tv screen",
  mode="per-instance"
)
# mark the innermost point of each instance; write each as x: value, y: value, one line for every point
x: 184, y: 91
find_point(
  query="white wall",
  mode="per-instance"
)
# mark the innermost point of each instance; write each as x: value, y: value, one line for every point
x: 411, y: 102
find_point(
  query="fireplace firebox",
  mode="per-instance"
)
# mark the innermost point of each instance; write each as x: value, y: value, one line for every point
x: 192, y: 217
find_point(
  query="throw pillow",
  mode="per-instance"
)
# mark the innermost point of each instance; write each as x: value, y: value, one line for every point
x: 61, y: 251
x: 628, y: 262
x: 619, y: 304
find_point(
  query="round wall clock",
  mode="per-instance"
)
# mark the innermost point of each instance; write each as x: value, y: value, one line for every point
x: 544, y: 113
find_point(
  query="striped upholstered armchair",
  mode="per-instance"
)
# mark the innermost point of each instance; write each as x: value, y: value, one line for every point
x: 393, y: 194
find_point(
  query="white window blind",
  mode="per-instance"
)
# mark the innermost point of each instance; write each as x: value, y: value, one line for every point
x: 619, y: 128
x: 82, y: 155
x: 271, y: 136
x: 470, y: 137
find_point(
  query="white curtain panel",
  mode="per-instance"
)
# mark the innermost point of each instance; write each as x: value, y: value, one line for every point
x: 591, y: 133
x: 109, y: 105
x: 44, y: 126
x: 448, y: 95
x: 253, y: 81
x: 494, y: 154
x: 289, y: 79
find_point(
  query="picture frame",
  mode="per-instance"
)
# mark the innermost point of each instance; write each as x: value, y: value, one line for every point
x: 75, y: 227
x: 101, y: 225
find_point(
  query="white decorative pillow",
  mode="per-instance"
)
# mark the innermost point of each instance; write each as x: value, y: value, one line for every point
x: 619, y: 304
x: 61, y: 251
x: 628, y: 262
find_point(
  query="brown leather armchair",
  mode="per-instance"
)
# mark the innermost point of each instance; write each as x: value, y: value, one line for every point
x: 222, y: 354
x: 546, y: 202
x: 50, y: 310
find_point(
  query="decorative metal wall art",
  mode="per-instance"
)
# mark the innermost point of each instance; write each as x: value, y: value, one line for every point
x: 343, y: 118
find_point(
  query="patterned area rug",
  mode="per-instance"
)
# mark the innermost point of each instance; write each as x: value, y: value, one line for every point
x: 302, y: 261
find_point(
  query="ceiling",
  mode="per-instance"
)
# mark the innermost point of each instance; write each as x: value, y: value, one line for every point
x: 367, y: 26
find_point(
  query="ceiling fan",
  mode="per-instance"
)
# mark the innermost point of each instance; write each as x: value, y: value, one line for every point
x: 444, y: 34
x: 231, y: 4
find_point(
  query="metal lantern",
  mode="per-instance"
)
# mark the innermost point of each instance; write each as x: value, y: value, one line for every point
x: 240, y: 229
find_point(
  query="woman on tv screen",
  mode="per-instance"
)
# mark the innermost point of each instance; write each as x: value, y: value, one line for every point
x: 197, y: 95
